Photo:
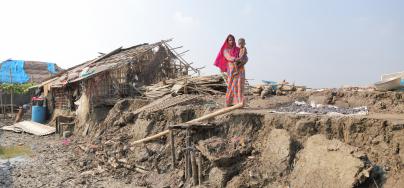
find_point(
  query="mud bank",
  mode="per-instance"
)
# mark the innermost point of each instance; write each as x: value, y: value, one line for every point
x: 250, y: 147
x: 239, y: 150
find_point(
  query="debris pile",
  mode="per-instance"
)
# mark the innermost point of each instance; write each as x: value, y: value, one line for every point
x: 212, y: 85
x: 111, y: 149
x: 274, y: 88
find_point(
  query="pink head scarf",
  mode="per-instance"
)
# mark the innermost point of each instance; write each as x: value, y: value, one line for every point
x: 221, y: 61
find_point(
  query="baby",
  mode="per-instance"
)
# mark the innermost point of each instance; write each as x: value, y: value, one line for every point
x: 242, y: 56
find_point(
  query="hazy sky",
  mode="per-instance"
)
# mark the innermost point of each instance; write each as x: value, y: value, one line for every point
x: 319, y: 43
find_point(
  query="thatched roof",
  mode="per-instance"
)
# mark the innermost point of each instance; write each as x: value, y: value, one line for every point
x: 27, y: 71
x: 111, y: 60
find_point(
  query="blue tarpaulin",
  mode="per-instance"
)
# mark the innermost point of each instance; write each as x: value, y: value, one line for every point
x: 272, y: 83
x: 52, y: 68
x: 18, y: 73
x: 402, y: 82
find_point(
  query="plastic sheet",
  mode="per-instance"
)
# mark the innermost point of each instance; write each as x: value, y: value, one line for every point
x: 18, y: 74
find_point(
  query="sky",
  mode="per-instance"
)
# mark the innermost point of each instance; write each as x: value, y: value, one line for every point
x: 316, y: 43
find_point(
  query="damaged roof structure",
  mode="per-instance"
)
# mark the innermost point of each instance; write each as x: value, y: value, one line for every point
x: 115, y: 75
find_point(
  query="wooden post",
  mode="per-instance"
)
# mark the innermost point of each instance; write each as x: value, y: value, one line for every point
x: 2, y: 105
x: 188, y: 159
x: 199, y: 168
x: 205, y: 117
x: 57, y: 125
x: 172, y: 148
x: 19, y: 115
x: 194, y: 169
x: 11, y: 93
x: 185, y: 86
x: 186, y: 165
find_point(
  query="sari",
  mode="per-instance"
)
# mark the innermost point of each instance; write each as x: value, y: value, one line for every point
x: 235, y: 74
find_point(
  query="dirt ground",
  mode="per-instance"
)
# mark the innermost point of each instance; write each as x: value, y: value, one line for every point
x: 250, y: 147
x: 51, y: 162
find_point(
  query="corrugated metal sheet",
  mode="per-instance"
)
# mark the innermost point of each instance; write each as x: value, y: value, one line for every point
x: 30, y: 127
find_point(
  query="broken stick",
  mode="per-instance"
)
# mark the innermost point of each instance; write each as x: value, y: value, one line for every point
x: 205, y: 117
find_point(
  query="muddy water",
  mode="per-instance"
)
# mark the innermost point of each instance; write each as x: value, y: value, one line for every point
x: 10, y: 156
x: 11, y: 152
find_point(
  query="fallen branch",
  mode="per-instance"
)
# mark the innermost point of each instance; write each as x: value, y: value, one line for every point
x: 205, y: 117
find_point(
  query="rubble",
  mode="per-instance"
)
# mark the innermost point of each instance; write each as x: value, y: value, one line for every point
x: 214, y: 85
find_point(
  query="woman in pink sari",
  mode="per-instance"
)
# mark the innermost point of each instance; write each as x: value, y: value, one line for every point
x: 225, y: 60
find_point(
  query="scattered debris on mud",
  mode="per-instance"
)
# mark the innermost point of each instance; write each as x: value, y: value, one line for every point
x: 304, y: 108
x: 249, y: 147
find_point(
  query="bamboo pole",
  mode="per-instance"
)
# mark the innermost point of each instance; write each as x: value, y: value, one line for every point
x: 188, y: 152
x: 205, y: 117
x: 199, y: 169
x: 217, y: 113
x: 186, y: 165
x: 194, y: 169
x: 182, y: 60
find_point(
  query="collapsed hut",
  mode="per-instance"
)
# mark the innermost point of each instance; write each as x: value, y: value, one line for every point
x: 89, y: 90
